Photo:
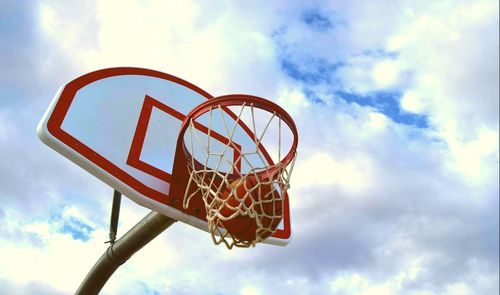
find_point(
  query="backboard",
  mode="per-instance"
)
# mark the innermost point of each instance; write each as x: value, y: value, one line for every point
x: 122, y: 125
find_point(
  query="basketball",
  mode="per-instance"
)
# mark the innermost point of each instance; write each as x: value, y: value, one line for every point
x: 254, y: 198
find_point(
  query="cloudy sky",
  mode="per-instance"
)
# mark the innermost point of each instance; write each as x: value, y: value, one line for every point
x: 395, y: 189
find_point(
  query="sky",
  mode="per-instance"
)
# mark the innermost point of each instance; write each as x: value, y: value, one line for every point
x: 395, y: 188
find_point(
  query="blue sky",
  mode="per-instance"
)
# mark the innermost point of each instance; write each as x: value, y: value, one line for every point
x: 395, y: 190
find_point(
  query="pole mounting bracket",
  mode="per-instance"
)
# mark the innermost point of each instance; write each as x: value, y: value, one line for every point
x: 115, y: 214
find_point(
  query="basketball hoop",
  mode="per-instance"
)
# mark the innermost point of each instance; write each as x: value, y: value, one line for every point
x: 230, y: 181
x: 241, y: 186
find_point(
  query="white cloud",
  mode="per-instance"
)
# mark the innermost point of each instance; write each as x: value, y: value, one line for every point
x: 51, y: 259
x: 386, y: 73
x: 455, y: 76
x: 250, y: 291
x: 366, y: 74
x: 474, y: 157
x: 321, y: 169
x: 293, y: 100
x: 355, y: 283
x: 206, y: 49
x: 410, y: 102
x: 435, y: 54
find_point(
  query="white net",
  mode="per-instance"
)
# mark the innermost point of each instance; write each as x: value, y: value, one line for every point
x: 241, y: 186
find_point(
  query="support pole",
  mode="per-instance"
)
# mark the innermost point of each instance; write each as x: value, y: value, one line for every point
x: 119, y: 252
x: 115, y: 214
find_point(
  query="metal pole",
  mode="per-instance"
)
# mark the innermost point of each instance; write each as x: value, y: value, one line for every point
x: 120, y: 251
x: 115, y: 214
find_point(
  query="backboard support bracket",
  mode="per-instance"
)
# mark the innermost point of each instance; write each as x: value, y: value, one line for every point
x: 115, y: 215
